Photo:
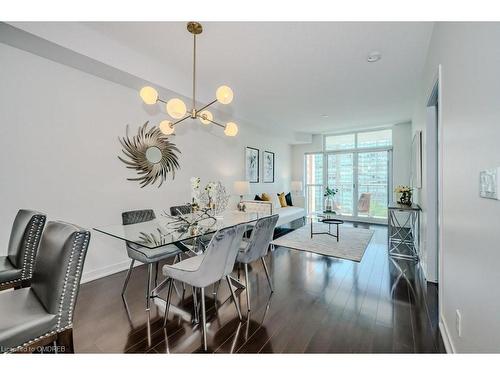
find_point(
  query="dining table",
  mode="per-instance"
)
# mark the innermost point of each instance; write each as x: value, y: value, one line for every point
x: 168, y: 229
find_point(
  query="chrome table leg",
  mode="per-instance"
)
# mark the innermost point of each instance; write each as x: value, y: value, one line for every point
x: 169, y: 296
x: 234, y: 296
x: 267, y: 274
x: 127, y: 278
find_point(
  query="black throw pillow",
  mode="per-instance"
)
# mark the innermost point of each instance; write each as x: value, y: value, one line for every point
x: 257, y: 198
x: 288, y: 199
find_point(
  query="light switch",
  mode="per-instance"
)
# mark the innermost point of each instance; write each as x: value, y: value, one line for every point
x: 489, y: 182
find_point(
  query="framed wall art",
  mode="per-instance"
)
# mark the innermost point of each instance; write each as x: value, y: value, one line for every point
x: 252, y: 164
x: 268, y: 166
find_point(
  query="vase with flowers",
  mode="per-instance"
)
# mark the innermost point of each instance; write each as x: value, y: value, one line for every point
x: 329, y: 199
x: 195, y: 193
x: 404, y: 194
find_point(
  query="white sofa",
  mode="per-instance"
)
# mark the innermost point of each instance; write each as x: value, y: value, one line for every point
x: 286, y: 214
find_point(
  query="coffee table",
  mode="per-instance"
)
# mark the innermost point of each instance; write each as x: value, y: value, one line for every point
x: 327, y: 218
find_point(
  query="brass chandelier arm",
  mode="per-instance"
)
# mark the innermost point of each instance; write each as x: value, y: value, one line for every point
x: 208, y: 105
x: 182, y: 119
x: 213, y: 122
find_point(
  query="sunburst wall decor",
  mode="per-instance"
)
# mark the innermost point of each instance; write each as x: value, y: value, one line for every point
x: 151, y: 154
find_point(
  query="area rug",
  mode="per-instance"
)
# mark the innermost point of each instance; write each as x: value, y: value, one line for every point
x: 352, y: 244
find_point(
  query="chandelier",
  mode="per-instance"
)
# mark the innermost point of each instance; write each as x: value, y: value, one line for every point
x: 177, y: 109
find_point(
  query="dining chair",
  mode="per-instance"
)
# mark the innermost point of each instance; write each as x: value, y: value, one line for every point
x: 16, y: 268
x: 256, y: 247
x: 145, y: 255
x: 43, y: 313
x: 215, y: 264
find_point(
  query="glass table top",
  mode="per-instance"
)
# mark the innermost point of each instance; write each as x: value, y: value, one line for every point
x: 166, y: 230
x: 322, y: 215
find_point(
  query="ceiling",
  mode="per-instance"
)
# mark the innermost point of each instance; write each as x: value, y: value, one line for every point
x: 300, y: 76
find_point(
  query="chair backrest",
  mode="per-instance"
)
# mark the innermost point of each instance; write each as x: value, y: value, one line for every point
x: 261, y: 237
x: 137, y: 216
x: 180, y: 210
x: 364, y: 202
x: 58, y: 269
x: 24, y: 240
x: 220, y: 255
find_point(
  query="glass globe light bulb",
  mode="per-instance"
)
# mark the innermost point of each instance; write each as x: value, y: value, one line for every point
x: 176, y: 108
x: 205, y: 116
x: 148, y: 95
x: 166, y: 127
x: 224, y: 94
x: 231, y: 129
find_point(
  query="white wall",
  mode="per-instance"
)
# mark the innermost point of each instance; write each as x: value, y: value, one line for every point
x: 59, y: 145
x: 470, y: 59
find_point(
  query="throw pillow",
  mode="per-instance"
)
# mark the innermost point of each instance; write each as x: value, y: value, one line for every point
x: 288, y: 199
x: 257, y: 198
x: 282, y: 199
x: 266, y: 197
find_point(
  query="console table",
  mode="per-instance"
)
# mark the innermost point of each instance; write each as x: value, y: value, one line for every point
x: 403, y: 231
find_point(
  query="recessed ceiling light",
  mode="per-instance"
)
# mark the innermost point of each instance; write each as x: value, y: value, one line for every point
x: 374, y: 56
x: 324, y: 116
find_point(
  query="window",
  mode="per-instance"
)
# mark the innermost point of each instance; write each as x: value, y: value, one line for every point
x: 359, y: 165
x: 371, y: 139
x: 314, y: 181
x: 380, y: 138
x: 340, y: 142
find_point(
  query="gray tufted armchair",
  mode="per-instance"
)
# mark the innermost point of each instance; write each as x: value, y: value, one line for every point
x: 16, y: 268
x: 256, y: 247
x: 43, y: 313
x: 214, y: 264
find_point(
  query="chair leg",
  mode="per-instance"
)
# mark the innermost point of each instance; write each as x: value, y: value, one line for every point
x: 195, y: 305
x: 157, y: 264
x: 65, y: 341
x: 267, y: 274
x: 183, y: 284
x: 167, y: 306
x: 247, y: 287
x: 127, y: 278
x: 148, y: 294
x: 234, y: 297
x: 204, y: 319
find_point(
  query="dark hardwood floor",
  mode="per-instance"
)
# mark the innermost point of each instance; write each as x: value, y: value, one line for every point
x: 320, y: 305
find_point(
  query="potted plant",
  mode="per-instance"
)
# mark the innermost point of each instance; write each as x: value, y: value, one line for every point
x: 329, y: 196
x: 404, y: 194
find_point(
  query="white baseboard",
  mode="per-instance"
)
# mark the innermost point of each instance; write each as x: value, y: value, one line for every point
x: 106, y: 271
x: 445, y: 335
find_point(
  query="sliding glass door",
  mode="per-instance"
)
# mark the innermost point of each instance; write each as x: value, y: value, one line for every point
x: 340, y: 175
x: 373, y: 184
x: 362, y: 179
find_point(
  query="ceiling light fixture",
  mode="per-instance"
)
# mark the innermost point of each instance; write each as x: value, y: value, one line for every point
x: 374, y: 56
x: 177, y: 109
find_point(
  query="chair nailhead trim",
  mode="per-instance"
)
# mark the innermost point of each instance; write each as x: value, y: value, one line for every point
x: 10, y: 282
x: 31, y: 342
x: 78, y: 246
x: 36, y: 225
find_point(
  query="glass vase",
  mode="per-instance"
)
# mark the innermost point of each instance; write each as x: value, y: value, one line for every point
x: 329, y: 204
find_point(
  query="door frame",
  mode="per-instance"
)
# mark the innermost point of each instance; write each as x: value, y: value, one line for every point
x: 436, y: 94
